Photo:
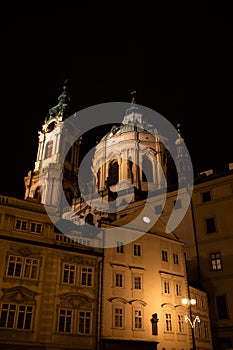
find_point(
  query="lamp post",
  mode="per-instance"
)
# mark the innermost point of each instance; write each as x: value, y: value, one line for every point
x: 188, y: 303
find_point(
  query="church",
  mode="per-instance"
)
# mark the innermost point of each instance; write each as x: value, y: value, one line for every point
x: 96, y: 262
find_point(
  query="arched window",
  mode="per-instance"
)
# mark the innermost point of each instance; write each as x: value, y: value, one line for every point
x: 113, y: 174
x: 130, y: 170
x: 37, y: 194
x: 147, y: 170
x: 49, y: 149
x: 98, y: 180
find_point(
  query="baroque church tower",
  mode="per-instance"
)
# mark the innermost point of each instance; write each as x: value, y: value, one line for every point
x: 42, y: 182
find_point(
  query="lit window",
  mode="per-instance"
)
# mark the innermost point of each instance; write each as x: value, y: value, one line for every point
x: 118, y: 317
x: 120, y: 247
x: 165, y: 255
x: 86, y: 276
x: 216, y: 261
x: 210, y: 225
x: 16, y: 316
x: 136, y: 250
x: 84, y: 322
x: 65, y: 321
x: 69, y: 273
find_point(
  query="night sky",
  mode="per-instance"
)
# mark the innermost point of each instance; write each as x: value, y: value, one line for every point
x: 181, y: 67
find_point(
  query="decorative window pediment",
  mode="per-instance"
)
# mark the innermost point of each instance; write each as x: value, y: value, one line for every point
x: 75, y: 300
x: 18, y: 294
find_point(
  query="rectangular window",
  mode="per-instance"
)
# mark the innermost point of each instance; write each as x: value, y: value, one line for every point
x: 176, y: 258
x: 119, y: 280
x: 177, y: 204
x: 166, y: 287
x: 199, y: 330
x: 35, y: 227
x: 168, y: 322
x: 210, y: 225
x: 21, y: 225
x: 206, y: 330
x: 118, y: 318
x: 206, y: 196
x: 216, y: 261
x: 120, y: 247
x: 137, y: 319
x: 22, y: 267
x: 164, y: 255
x: 87, y: 276
x: 136, y: 250
x: 84, y: 322
x: 69, y: 273
x: 178, y: 289
x: 180, y: 323
x: 16, y: 316
x: 221, y: 307
x: 137, y: 282
x: 65, y: 321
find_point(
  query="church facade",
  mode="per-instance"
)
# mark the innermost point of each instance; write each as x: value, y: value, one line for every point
x: 64, y: 285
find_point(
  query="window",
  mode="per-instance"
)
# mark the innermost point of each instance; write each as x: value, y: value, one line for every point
x: 35, y: 227
x: 120, y: 247
x: 119, y: 280
x: 21, y: 225
x: 176, y: 258
x: 168, y: 322
x: 49, y: 149
x: 221, y: 307
x: 158, y: 209
x: 180, y: 323
x: 16, y: 316
x: 165, y: 255
x: 178, y: 289
x: 177, y: 204
x: 216, y: 261
x: 136, y: 250
x: 65, y: 321
x: 86, y: 276
x: 206, y: 330
x: 206, y: 196
x: 84, y: 322
x: 210, y: 225
x: 113, y: 175
x: 137, y: 282
x: 166, y: 287
x: 199, y: 330
x: 69, y: 273
x: 22, y: 267
x: 118, y: 317
x: 137, y: 319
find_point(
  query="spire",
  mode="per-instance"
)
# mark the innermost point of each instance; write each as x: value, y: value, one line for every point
x: 133, y: 94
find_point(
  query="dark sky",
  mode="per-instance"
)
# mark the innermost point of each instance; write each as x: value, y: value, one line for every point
x: 180, y: 65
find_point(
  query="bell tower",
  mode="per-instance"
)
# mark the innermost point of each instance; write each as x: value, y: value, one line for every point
x: 42, y: 182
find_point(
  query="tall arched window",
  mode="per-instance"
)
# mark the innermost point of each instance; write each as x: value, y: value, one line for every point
x: 113, y: 173
x: 49, y: 149
x: 147, y: 170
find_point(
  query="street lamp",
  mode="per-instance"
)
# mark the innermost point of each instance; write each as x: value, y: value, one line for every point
x: 188, y: 302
